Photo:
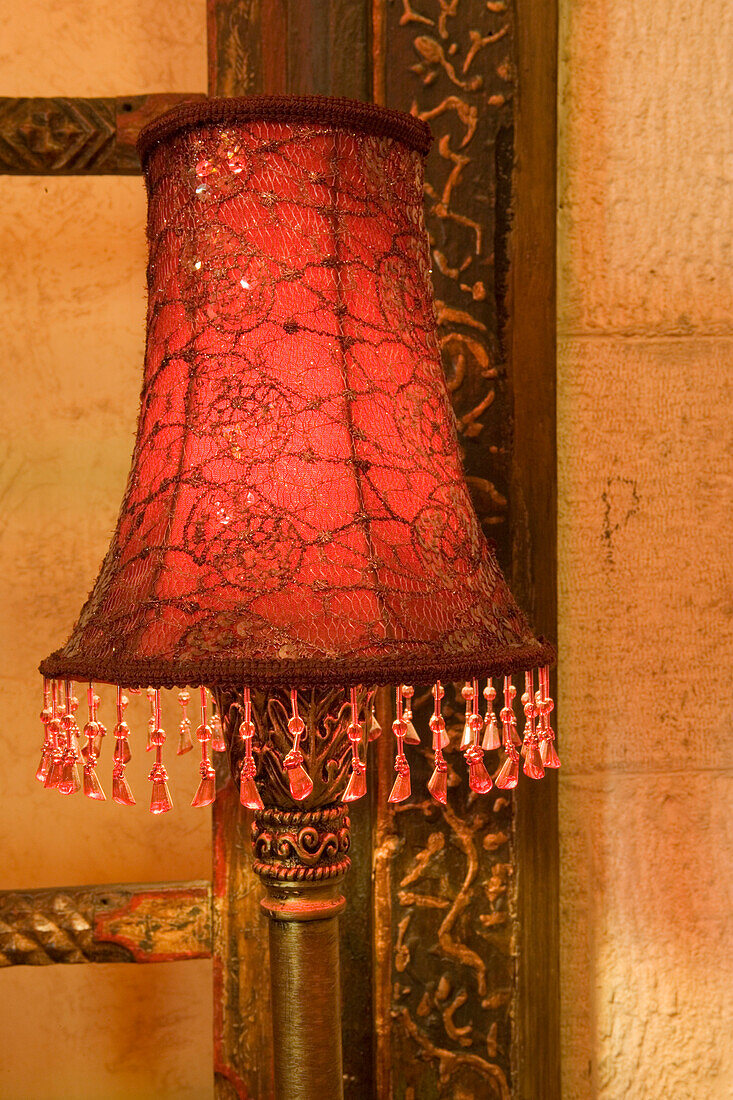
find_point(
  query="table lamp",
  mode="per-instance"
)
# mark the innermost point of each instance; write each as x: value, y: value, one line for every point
x: 296, y: 530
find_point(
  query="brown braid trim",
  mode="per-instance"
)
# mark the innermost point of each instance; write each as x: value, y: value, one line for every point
x: 318, y: 672
x: 323, y: 816
x: 340, y: 114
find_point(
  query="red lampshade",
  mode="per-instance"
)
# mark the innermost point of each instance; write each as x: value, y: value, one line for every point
x: 296, y: 513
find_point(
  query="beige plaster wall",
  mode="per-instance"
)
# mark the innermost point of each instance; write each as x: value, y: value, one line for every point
x: 71, y: 330
x: 646, y: 599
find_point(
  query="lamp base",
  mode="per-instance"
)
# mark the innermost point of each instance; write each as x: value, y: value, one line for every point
x: 301, y: 858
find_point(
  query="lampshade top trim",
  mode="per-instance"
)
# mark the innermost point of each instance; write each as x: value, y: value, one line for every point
x: 341, y: 114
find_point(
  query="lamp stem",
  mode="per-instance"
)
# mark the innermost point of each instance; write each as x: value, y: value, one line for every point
x: 301, y: 857
x: 306, y: 998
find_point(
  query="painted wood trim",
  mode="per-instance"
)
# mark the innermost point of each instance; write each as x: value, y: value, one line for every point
x: 170, y: 922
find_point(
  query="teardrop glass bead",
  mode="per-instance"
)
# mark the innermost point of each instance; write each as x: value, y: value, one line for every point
x: 533, y: 762
x: 492, y: 736
x: 70, y: 782
x: 206, y: 792
x: 412, y: 737
x: 122, y: 754
x: 185, y: 743
x: 438, y: 785
x: 548, y: 754
x: 401, y: 789
x: 44, y: 766
x: 375, y: 730
x: 92, y: 786
x: 54, y: 776
x: 121, y: 792
x: 357, y: 786
x: 300, y: 783
x: 218, y: 744
x: 160, y: 800
x: 508, y: 776
x: 249, y: 796
x: 479, y: 779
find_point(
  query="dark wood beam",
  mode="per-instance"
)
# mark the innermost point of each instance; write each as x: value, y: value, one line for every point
x: 242, y: 1019
x: 531, y: 338
x: 247, y: 47
x: 151, y: 923
x: 77, y: 137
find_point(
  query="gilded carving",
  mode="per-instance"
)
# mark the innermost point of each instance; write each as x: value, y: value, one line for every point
x: 450, y: 877
x: 299, y: 846
x: 105, y: 924
x: 461, y: 83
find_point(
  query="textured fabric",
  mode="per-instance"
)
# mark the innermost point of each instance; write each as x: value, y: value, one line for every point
x: 296, y: 511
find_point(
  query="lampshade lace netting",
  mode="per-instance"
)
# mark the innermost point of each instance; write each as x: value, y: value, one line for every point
x: 296, y: 513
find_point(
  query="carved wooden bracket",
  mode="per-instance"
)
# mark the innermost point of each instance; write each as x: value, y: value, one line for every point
x: 72, y: 137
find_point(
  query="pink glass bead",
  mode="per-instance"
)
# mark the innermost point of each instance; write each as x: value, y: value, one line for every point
x: 401, y: 789
x: 296, y: 726
x: 375, y: 729
x: 122, y: 754
x: 412, y: 737
x: 492, y: 737
x: 160, y: 801
x: 249, y: 796
x: 508, y: 776
x: 206, y: 792
x: 185, y: 741
x: 218, y: 744
x: 121, y: 792
x: 438, y: 730
x: 548, y: 754
x: 70, y: 782
x: 356, y: 787
x: 44, y: 766
x: 533, y: 762
x: 479, y: 779
x: 56, y: 770
x: 299, y: 781
x: 92, y: 786
x: 438, y: 784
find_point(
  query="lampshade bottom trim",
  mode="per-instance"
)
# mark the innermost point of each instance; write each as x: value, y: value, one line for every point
x: 68, y: 767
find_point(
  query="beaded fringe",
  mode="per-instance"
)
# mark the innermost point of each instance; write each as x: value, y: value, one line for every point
x: 62, y: 754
